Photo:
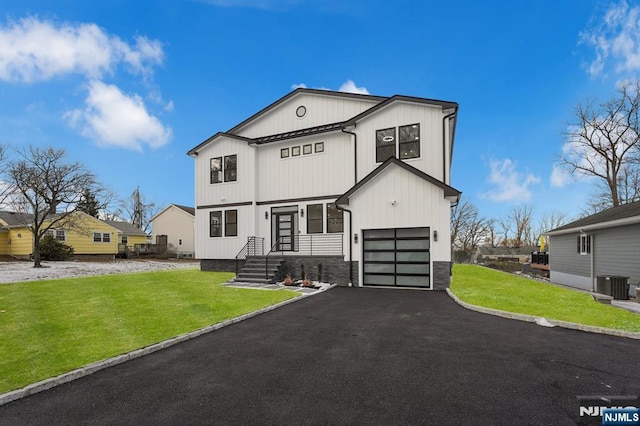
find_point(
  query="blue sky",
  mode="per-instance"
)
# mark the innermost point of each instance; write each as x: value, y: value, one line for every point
x: 128, y: 87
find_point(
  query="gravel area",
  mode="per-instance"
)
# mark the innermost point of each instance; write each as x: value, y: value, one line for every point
x: 24, y: 271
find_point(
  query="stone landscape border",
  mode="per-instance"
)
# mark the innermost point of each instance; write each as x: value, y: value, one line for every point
x: 544, y: 321
x: 78, y: 373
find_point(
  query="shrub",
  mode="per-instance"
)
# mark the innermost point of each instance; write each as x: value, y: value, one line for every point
x: 52, y: 249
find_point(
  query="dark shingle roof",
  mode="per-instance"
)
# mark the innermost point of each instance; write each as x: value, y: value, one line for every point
x: 382, y: 101
x: 506, y: 251
x: 125, y: 227
x: 16, y: 219
x: 190, y: 210
x: 614, y: 213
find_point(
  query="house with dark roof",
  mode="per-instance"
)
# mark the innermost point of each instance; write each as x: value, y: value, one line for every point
x: 354, y: 189
x: 605, y: 244
x: 89, y: 236
x: 176, y: 222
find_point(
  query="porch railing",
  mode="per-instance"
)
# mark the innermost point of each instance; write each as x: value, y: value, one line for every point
x: 306, y: 245
x: 254, y: 247
x: 540, y: 257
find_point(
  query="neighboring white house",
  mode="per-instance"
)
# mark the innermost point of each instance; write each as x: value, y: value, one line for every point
x: 605, y: 244
x: 177, y: 223
x: 364, y: 179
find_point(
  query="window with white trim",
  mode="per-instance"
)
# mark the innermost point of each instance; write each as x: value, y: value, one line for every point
x: 584, y: 244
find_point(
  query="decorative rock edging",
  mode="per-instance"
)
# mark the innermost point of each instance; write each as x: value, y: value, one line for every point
x: 43, y: 385
x: 544, y: 321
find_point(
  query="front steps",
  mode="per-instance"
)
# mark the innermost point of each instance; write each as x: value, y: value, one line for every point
x: 255, y: 269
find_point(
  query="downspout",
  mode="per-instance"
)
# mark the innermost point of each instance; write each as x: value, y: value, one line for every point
x: 444, y: 143
x: 355, y: 154
x: 355, y: 181
x: 593, y: 247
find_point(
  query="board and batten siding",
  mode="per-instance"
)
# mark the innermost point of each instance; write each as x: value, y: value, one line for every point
x: 242, y: 190
x: 401, y: 114
x: 418, y: 203
x: 317, y: 174
x: 320, y: 109
x: 207, y: 247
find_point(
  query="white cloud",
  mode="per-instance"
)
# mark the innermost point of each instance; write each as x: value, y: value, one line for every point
x: 509, y: 184
x: 35, y: 50
x: 616, y: 40
x: 560, y: 176
x: 348, y: 87
x: 113, y: 118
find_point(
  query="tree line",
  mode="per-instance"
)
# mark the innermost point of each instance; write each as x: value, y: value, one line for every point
x: 602, y: 144
x: 46, y: 185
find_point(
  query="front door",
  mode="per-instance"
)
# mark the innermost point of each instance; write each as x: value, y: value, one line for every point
x: 284, y: 222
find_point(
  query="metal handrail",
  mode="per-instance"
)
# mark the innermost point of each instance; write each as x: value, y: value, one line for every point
x: 254, y: 247
x: 307, y: 245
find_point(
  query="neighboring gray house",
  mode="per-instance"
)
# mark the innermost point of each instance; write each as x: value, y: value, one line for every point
x: 604, y: 244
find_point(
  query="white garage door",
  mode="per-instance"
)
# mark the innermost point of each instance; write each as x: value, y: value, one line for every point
x: 396, y: 257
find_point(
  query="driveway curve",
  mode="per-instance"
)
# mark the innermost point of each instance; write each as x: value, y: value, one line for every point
x: 353, y: 356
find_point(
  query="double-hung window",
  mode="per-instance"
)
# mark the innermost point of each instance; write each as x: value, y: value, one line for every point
x: 584, y: 244
x: 314, y: 219
x: 224, y: 169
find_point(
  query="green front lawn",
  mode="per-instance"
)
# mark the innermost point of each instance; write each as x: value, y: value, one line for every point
x: 50, y: 327
x: 489, y: 288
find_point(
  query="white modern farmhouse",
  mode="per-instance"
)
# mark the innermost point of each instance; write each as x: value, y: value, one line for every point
x: 341, y: 187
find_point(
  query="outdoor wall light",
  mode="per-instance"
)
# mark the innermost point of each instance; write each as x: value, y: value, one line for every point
x: 355, y: 238
x: 301, y: 212
x: 266, y: 215
x: 393, y: 202
x: 435, y: 235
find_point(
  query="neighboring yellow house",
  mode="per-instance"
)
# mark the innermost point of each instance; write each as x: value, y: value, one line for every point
x: 128, y: 234
x: 89, y: 235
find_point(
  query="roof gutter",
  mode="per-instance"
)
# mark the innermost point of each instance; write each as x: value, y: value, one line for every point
x: 602, y: 225
x: 444, y: 142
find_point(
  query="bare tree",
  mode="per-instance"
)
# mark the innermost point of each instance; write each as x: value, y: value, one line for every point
x: 603, y: 143
x: 551, y: 220
x: 468, y: 229
x: 43, y: 184
x: 138, y: 211
x: 461, y: 215
x: 506, y: 226
x: 521, y: 217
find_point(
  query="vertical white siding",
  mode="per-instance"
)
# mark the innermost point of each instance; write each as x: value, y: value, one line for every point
x: 321, y: 109
x: 401, y: 114
x: 316, y: 174
x: 223, y: 247
x: 418, y: 203
x: 239, y: 191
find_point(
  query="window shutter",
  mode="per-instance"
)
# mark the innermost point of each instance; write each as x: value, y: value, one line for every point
x: 578, y: 243
x: 588, y: 243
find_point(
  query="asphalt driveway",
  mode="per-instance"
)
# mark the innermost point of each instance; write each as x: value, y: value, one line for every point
x: 353, y: 356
